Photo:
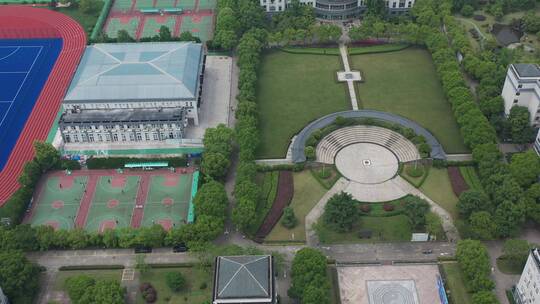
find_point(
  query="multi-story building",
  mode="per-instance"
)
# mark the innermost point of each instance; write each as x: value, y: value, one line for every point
x: 244, y: 279
x: 522, y: 88
x: 339, y: 9
x: 133, y: 93
x: 527, y: 290
x: 537, y: 143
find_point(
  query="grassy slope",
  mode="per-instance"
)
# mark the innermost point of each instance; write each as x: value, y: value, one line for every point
x: 307, y: 192
x: 392, y: 228
x: 455, y: 281
x: 192, y: 294
x: 437, y: 187
x: 294, y: 90
x: 406, y: 83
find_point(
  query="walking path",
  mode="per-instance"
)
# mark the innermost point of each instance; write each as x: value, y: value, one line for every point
x: 350, y: 82
x: 459, y: 157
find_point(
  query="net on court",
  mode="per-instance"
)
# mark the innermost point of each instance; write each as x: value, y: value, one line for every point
x: 167, y: 203
x: 153, y: 24
x: 199, y: 25
x: 122, y: 5
x: 113, y: 202
x: 116, y: 24
x: 59, y: 201
x: 207, y: 4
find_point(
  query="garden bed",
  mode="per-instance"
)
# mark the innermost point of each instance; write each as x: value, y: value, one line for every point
x: 285, y: 191
x: 471, y: 177
x: 459, y: 185
x: 327, y: 176
x: 415, y: 173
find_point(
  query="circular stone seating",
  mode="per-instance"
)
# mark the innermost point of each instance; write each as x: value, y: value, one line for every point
x: 332, y: 143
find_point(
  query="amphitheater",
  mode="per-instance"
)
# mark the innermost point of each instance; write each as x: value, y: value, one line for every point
x: 369, y: 157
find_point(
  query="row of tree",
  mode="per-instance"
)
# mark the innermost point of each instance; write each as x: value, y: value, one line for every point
x: 19, y: 277
x: 310, y: 282
x: 163, y: 35
x: 83, y: 289
x: 217, y: 152
x: 507, y: 200
x: 473, y: 260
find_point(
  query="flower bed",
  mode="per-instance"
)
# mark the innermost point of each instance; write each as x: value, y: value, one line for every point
x: 459, y: 184
x: 285, y: 191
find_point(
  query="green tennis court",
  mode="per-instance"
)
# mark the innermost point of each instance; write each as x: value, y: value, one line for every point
x: 186, y: 4
x: 144, y: 4
x: 116, y: 24
x: 153, y: 24
x: 165, y: 3
x: 207, y: 4
x: 113, y: 202
x: 122, y: 5
x: 198, y: 25
x: 168, y: 200
x: 59, y: 201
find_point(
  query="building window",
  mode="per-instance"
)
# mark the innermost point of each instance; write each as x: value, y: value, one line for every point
x: 155, y: 135
x: 394, y: 5
x: 91, y: 137
x: 139, y: 137
x: 515, y: 101
x: 75, y: 138
x: 83, y: 137
x: 108, y: 137
x: 518, y: 93
x: 131, y: 137
x: 146, y: 136
x: 115, y: 137
x: 100, y: 138
x: 171, y: 135
x: 68, y: 138
x: 123, y: 137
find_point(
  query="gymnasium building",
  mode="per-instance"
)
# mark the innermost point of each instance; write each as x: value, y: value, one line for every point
x: 134, y: 93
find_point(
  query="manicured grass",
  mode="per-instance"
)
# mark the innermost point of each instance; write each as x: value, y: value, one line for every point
x: 456, y: 283
x: 294, y: 89
x: 194, y: 276
x: 507, y: 266
x: 385, y: 229
x: 406, y: 83
x: 471, y: 178
x: 87, y: 21
x: 416, y: 181
x: 307, y: 193
x: 326, y: 175
x: 438, y: 188
x: 312, y: 50
x: 62, y: 276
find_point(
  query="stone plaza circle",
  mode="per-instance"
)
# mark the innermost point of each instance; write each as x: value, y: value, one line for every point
x: 367, y: 163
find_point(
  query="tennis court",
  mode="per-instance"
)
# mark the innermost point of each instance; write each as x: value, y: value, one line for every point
x: 113, y: 202
x: 25, y: 65
x: 199, y: 25
x: 127, y: 23
x: 58, y: 201
x: 168, y: 200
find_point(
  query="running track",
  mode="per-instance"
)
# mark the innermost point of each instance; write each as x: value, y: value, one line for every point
x: 28, y: 22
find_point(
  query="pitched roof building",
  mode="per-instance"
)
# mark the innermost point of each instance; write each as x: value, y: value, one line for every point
x: 244, y: 279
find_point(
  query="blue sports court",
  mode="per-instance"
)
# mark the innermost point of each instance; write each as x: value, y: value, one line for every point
x: 25, y: 65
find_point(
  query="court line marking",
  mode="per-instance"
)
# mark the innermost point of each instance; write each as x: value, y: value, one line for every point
x: 21, y: 85
x: 15, y: 51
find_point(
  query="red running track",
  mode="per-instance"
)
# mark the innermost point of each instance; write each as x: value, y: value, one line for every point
x: 29, y: 22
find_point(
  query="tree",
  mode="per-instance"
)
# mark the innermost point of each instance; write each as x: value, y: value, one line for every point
x: 175, y: 280
x: 472, y: 201
x: 484, y: 297
x: 218, y: 140
x: 123, y: 36
x: 473, y: 260
x: 416, y: 209
x: 227, y: 39
x: 289, y: 220
x: 340, y: 212
x: 31, y: 174
x: 19, y: 277
x: 77, y: 286
x: 508, y: 217
x: 215, y: 165
x: 521, y: 131
x: 525, y: 167
x: 376, y: 8
x: 315, y: 294
x: 165, y: 33
x: 244, y: 213
x: 211, y: 199
x: 531, y: 22
x: 308, y: 272
x: 434, y: 224
x: 46, y: 155
x: 482, y: 225
x: 516, y: 251
x: 188, y: 36
x: 150, y: 236
x: 467, y: 11
x: 104, y: 291
x: 90, y: 6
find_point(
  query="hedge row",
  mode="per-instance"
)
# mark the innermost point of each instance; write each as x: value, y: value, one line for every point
x: 119, y: 162
x: 473, y: 259
x: 90, y: 267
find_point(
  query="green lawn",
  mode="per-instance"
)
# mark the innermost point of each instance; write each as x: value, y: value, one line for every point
x: 406, y: 83
x: 294, y: 89
x: 456, y: 284
x: 59, y: 283
x: 307, y: 192
x: 438, y: 188
x: 195, y: 277
x: 87, y: 21
x: 385, y: 229
x: 507, y: 266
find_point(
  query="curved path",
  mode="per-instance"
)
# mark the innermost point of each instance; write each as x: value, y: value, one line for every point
x: 299, y: 143
x: 18, y: 22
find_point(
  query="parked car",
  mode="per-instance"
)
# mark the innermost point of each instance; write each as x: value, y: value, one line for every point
x: 427, y: 251
x: 180, y: 248
x: 143, y: 249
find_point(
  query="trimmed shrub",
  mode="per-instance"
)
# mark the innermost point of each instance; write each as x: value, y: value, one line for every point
x: 366, y: 208
x: 414, y: 170
x: 310, y: 152
x: 388, y: 207
x: 175, y: 280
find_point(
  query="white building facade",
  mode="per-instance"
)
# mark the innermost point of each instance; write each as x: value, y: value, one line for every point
x: 522, y: 88
x: 3, y: 298
x: 130, y: 93
x: 339, y: 9
x: 527, y: 291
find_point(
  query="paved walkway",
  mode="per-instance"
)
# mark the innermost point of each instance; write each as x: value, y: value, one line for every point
x: 459, y: 157
x: 350, y: 83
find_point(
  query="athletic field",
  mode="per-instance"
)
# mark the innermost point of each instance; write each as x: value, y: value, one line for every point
x: 96, y: 200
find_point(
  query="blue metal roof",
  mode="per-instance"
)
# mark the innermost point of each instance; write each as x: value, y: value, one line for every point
x: 132, y: 71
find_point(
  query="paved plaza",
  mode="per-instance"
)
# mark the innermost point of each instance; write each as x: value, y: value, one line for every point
x: 367, y: 163
x: 388, y: 284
